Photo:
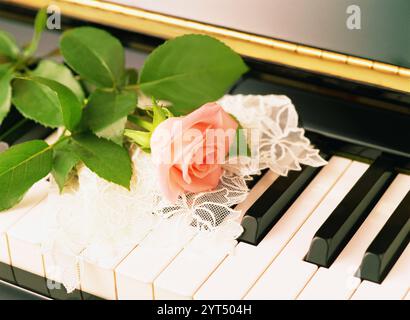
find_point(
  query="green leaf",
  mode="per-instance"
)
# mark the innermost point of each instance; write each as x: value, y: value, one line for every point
x: 107, y: 159
x: 140, y: 122
x: 47, y: 102
x: 64, y: 160
x: 141, y: 138
x: 104, y: 108
x: 189, y: 71
x: 6, y: 74
x: 20, y: 167
x: 39, y: 25
x: 8, y: 46
x: 58, y: 72
x: 114, y: 132
x: 130, y: 77
x: 94, y: 54
x: 159, y: 115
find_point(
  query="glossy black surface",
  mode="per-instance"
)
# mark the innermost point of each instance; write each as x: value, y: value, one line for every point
x: 273, y: 203
x: 37, y: 285
x: 341, y: 119
x: 339, y: 108
x: 381, y: 33
x: 388, y: 245
x: 6, y: 273
x: 11, y: 292
x: 15, y: 129
x: 344, y: 221
x: 341, y: 113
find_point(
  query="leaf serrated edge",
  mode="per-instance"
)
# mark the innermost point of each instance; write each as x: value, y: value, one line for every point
x: 98, y: 57
x: 47, y: 148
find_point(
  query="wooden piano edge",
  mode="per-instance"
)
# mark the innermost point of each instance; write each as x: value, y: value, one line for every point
x: 253, y: 46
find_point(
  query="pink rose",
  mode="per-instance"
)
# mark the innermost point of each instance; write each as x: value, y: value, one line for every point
x: 189, y: 151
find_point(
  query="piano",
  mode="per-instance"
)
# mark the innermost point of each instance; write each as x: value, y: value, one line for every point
x: 337, y: 232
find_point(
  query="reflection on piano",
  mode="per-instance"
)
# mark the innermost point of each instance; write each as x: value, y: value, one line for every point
x: 337, y: 232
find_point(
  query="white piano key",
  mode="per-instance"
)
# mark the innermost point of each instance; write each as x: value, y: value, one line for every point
x: 98, y: 275
x: 174, y: 256
x: 407, y: 297
x: 99, y: 279
x: 394, y: 286
x: 25, y: 244
x: 238, y: 272
x: 53, y: 138
x: 339, y: 282
x: 289, y: 273
x: 186, y: 273
x: 136, y: 274
x: 9, y: 217
x: 25, y: 239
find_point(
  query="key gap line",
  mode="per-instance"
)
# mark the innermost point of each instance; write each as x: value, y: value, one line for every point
x: 9, y: 255
x: 301, y: 225
x: 45, y: 274
x: 123, y: 258
x: 212, y: 272
x: 405, y: 295
x: 354, y: 289
x: 168, y: 264
x: 306, y: 284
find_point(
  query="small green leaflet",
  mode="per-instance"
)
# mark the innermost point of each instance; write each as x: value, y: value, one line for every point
x: 6, y: 74
x: 141, y: 138
x: 58, y: 72
x: 8, y: 46
x: 20, y: 167
x: 94, y: 54
x: 64, y: 160
x: 105, y: 108
x: 107, y: 159
x: 47, y: 102
x: 39, y: 25
x: 189, y: 71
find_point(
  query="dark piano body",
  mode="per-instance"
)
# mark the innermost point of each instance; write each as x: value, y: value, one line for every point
x: 351, y: 89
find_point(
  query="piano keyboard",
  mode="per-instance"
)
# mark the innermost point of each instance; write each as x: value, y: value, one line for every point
x: 337, y: 232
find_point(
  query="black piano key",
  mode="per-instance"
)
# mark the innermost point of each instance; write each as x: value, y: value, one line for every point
x: 36, y: 132
x: 273, y: 203
x: 344, y: 221
x: 26, y: 131
x: 388, y: 245
x: 16, y: 129
x: 255, y: 179
x: 9, y: 121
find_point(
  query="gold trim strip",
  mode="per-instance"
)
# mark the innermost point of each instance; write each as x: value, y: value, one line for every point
x: 257, y: 47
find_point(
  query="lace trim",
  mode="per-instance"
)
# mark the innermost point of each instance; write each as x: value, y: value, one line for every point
x: 107, y: 219
x: 276, y: 142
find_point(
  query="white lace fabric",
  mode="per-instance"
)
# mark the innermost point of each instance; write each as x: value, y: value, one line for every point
x: 100, y: 221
